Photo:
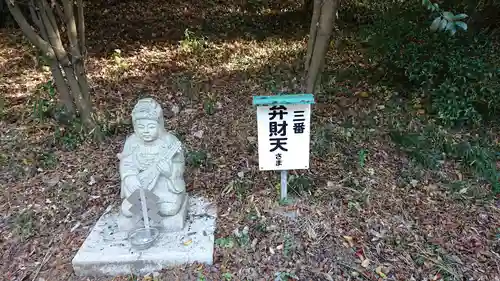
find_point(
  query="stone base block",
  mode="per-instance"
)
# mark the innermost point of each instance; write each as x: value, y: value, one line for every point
x: 107, y: 251
x: 173, y: 223
x: 176, y: 222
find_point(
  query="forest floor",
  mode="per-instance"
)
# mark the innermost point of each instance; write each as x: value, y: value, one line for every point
x: 363, y: 211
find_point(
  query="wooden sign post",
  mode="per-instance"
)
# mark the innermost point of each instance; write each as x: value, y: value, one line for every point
x: 283, y: 125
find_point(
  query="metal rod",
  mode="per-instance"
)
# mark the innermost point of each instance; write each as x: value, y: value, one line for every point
x: 284, y: 181
x: 144, y: 210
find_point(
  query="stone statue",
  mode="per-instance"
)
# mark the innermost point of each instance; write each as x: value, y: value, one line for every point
x: 153, y: 159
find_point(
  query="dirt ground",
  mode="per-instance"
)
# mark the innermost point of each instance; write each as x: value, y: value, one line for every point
x: 380, y: 218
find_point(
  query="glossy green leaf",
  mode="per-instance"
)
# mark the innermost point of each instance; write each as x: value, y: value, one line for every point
x: 448, y: 15
x: 450, y: 26
x: 461, y: 24
x: 435, y: 24
x: 443, y: 24
x: 460, y: 17
x: 453, y: 30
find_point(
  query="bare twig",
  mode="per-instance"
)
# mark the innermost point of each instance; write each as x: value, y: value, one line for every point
x: 355, y: 269
x: 441, y: 266
x: 45, y: 259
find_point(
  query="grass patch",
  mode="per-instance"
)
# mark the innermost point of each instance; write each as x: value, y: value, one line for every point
x: 47, y: 160
x: 3, y: 108
x: 288, y: 245
x: 225, y: 242
x: 322, y: 141
x: 192, y: 43
x: 427, y: 147
x: 70, y: 136
x: 44, y: 102
x: 442, y: 262
x: 241, y: 238
x: 286, y: 201
x: 301, y: 184
x: 120, y: 65
x: 362, y: 154
x: 24, y: 225
x: 240, y: 186
x: 209, y: 107
x: 227, y: 276
x: 431, y: 147
x: 197, y: 158
x: 285, y: 276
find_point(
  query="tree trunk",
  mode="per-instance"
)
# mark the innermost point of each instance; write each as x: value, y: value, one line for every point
x: 319, y: 40
x: 62, y: 88
x: 312, y: 31
x: 67, y: 64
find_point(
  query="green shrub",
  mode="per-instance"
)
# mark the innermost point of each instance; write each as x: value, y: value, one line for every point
x: 197, y: 158
x: 193, y: 43
x: 44, y: 101
x: 300, y: 184
x: 24, y: 224
x: 456, y: 75
x: 69, y: 136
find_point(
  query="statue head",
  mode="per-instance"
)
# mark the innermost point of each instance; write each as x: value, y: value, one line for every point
x: 147, y: 117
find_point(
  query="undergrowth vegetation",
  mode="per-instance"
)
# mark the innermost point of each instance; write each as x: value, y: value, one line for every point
x: 456, y: 76
x: 452, y: 78
x: 431, y: 147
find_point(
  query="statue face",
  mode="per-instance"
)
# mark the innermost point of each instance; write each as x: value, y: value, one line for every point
x: 147, y: 130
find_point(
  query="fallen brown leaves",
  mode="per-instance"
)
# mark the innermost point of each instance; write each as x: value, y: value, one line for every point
x: 358, y: 224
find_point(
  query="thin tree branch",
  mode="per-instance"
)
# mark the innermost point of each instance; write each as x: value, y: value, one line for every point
x: 27, y: 29
x: 45, y: 258
x: 77, y: 59
x: 60, y: 82
x: 71, y: 29
x: 58, y: 10
x: 36, y: 18
x: 81, y: 27
x: 80, y: 65
x: 52, y: 19
x: 312, y: 32
x: 51, y: 33
x: 54, y: 39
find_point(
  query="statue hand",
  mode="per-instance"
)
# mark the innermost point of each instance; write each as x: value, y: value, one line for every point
x: 132, y: 183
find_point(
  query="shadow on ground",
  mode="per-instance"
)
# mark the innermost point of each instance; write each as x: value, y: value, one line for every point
x: 130, y: 24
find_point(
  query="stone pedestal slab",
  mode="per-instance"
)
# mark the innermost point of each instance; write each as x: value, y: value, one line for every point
x: 107, y: 251
x: 173, y: 223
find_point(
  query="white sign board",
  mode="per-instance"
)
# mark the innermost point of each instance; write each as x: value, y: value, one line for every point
x: 283, y: 135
